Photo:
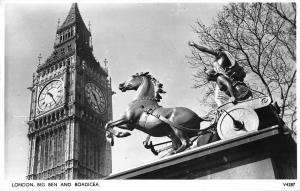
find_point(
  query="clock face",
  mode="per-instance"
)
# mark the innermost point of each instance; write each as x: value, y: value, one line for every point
x: 51, y: 95
x: 95, y: 97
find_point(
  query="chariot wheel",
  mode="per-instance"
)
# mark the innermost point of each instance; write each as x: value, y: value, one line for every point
x: 237, y: 121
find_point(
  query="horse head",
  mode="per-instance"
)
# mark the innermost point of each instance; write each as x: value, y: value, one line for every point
x: 134, y: 82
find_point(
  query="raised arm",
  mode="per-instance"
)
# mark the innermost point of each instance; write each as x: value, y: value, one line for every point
x: 203, y: 49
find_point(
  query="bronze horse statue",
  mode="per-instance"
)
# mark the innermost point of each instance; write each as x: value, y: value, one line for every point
x: 144, y: 114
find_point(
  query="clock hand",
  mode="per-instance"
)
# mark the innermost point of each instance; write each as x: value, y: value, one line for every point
x: 95, y: 97
x: 48, y: 93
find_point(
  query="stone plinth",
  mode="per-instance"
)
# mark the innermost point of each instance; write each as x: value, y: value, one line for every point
x: 264, y: 154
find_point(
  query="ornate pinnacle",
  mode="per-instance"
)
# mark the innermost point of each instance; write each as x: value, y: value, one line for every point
x: 58, y: 22
x: 91, y: 39
x: 39, y: 57
x: 105, y: 62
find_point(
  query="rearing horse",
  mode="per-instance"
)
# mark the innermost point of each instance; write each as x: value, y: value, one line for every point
x: 144, y: 114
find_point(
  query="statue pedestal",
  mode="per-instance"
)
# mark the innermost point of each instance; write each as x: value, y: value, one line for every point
x: 264, y: 154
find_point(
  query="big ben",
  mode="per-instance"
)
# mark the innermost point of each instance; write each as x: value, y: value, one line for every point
x: 71, y: 101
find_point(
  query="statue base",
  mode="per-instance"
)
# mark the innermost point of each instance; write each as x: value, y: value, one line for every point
x: 264, y: 154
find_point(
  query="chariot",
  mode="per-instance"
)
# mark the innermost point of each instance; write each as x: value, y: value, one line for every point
x: 231, y: 121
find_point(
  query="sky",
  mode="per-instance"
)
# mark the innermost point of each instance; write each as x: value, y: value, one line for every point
x: 134, y: 37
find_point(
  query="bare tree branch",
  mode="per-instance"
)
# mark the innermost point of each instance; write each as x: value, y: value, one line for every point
x: 262, y: 37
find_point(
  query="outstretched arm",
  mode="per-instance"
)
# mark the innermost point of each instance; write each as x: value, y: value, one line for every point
x: 203, y: 49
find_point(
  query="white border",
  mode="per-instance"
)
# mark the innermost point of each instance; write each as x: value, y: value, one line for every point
x: 129, y: 184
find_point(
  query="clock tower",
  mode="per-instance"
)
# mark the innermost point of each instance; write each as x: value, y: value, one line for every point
x: 71, y: 101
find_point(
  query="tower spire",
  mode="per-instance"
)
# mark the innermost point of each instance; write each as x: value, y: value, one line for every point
x: 71, y: 48
x: 72, y: 17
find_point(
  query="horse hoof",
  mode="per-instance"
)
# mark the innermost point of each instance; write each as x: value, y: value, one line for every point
x: 169, y: 154
x: 110, y: 141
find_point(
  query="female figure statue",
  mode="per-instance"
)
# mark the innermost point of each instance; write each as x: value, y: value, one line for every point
x: 226, y: 65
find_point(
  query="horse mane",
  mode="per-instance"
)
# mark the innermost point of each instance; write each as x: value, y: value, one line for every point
x: 156, y: 83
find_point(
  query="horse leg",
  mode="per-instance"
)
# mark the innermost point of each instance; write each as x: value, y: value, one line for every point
x: 176, y: 143
x: 147, y: 143
x: 126, y: 127
x: 109, y: 127
x: 185, y: 142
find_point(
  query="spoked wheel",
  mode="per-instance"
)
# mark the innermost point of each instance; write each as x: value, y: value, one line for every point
x: 237, y: 121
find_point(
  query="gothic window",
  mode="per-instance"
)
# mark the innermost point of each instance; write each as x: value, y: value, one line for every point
x: 68, y: 61
x: 72, y: 31
x: 55, y: 147
x: 57, y: 115
x: 49, y: 119
x: 69, y: 33
x: 69, y: 47
x: 62, y: 51
x: 53, y: 117
x: 46, y: 153
x: 79, y: 97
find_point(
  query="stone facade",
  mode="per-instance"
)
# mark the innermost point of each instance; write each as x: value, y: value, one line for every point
x: 66, y: 127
